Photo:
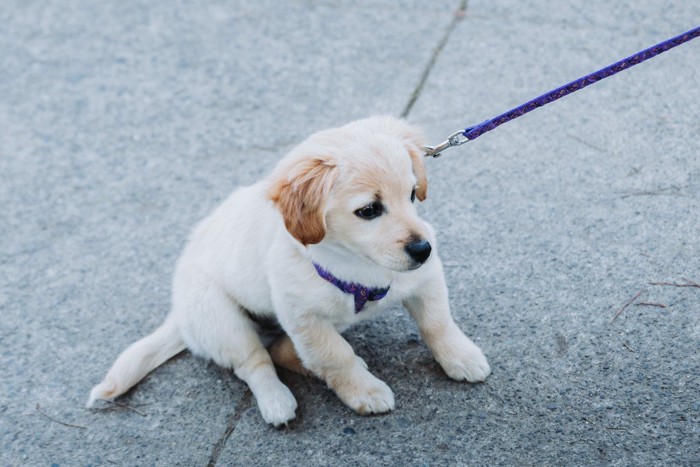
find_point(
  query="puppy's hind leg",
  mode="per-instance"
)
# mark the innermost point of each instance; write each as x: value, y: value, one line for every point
x: 215, y: 326
x: 285, y: 356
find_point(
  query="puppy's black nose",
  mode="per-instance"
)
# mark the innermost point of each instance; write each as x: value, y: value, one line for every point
x: 419, y: 250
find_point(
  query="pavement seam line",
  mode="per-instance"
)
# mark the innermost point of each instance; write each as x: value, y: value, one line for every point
x: 456, y: 17
x: 243, y: 405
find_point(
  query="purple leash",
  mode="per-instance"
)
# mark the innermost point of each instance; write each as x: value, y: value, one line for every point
x: 462, y: 136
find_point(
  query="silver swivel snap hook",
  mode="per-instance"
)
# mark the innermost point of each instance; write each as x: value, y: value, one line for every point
x: 455, y: 139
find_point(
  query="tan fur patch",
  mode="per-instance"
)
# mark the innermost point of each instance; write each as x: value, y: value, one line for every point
x: 301, y: 198
x: 285, y: 356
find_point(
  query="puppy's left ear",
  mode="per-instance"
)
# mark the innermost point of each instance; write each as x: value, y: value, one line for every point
x: 301, y: 194
x: 415, y: 144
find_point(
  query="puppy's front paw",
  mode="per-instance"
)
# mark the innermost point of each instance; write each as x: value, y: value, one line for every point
x: 463, y: 360
x: 277, y: 405
x: 363, y: 392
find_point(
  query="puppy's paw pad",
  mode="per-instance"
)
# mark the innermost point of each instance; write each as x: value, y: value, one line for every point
x: 278, y: 408
x: 471, y: 366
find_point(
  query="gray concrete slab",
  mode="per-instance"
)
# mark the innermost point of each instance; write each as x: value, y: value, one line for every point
x: 125, y: 123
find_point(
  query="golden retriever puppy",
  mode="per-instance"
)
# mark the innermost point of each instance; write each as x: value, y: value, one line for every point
x: 329, y: 238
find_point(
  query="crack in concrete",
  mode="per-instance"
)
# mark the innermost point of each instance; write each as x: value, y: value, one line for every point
x: 456, y: 18
x: 243, y: 405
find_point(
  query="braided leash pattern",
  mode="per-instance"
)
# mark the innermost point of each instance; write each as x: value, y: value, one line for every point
x: 475, y: 131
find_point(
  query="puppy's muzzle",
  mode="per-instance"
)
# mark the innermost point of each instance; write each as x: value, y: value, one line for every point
x: 419, y: 250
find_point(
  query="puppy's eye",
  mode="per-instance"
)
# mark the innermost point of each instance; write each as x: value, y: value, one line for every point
x: 413, y: 195
x: 370, y: 211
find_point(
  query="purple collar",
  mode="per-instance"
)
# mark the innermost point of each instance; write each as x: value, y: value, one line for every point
x: 361, y: 293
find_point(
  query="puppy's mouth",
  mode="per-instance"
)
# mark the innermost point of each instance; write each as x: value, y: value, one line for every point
x: 397, y: 265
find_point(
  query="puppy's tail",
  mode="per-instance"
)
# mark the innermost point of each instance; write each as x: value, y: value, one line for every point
x: 139, y: 359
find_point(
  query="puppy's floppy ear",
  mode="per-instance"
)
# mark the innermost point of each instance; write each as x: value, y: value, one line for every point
x: 301, y: 193
x: 415, y: 144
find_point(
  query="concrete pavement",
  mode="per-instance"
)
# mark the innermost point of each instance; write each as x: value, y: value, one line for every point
x: 124, y: 123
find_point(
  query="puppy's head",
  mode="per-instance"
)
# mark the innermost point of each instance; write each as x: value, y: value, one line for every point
x: 353, y: 188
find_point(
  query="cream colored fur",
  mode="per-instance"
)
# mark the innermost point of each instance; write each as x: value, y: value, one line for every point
x: 254, y: 255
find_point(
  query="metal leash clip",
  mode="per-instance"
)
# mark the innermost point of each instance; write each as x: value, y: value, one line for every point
x: 456, y: 139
